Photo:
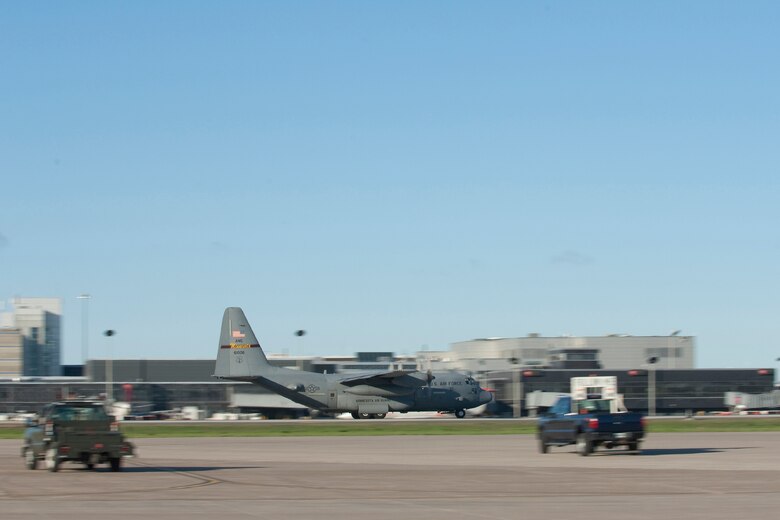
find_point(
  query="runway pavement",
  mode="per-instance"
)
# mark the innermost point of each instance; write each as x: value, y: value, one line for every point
x: 690, y: 476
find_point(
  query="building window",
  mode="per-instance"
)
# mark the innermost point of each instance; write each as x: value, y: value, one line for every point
x: 664, y: 352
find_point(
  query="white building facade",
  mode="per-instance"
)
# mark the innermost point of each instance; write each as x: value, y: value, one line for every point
x: 615, y: 352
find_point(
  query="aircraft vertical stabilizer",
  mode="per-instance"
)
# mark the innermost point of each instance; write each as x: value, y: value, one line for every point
x: 239, y: 354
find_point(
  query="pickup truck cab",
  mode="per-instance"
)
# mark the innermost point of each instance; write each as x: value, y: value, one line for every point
x: 80, y: 431
x: 589, y: 423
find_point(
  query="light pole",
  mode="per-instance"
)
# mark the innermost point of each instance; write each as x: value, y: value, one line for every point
x: 300, y: 333
x: 109, y: 367
x: 651, y: 386
x: 777, y: 379
x: 671, y: 356
x: 516, y: 386
x: 84, y: 326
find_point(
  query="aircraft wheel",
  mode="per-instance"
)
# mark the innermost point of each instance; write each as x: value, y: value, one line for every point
x: 51, y: 461
x: 365, y: 415
x: 584, y: 446
x: 116, y: 463
x: 460, y: 414
x: 355, y: 415
x: 379, y: 416
x: 29, y: 459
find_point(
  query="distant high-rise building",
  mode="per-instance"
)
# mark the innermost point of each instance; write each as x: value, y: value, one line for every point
x: 11, y: 349
x: 39, y: 322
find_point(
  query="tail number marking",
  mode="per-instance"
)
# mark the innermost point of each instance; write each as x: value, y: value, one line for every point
x: 233, y: 345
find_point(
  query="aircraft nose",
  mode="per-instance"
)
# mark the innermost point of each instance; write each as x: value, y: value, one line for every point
x: 485, y: 397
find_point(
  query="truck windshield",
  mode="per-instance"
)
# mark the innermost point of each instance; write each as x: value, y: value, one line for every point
x: 79, y: 413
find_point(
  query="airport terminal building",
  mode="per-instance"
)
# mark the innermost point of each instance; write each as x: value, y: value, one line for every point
x: 157, y: 385
x: 611, y: 352
x: 523, y: 372
x: 665, y: 391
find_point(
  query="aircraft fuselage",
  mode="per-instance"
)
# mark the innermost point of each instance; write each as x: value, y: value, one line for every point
x: 447, y: 391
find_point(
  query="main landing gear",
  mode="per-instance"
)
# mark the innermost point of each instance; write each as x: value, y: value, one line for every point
x: 356, y: 415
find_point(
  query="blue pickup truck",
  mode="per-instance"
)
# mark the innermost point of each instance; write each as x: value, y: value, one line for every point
x: 589, y: 423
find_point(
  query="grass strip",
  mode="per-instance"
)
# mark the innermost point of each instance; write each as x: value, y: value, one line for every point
x: 413, y: 427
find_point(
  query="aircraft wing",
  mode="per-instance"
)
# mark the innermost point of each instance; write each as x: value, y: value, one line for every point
x: 407, y: 378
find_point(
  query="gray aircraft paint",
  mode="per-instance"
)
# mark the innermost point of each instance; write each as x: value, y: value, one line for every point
x: 241, y: 358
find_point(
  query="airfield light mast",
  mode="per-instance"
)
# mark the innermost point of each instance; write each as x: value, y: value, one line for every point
x: 109, y: 367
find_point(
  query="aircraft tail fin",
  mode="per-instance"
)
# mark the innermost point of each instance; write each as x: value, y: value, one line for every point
x: 240, y: 355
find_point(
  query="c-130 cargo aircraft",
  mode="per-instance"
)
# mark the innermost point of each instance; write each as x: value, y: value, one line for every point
x: 368, y: 395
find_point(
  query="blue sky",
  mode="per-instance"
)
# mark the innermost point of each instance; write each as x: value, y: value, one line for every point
x: 394, y: 176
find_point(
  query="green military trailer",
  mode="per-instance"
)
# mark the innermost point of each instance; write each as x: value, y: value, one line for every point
x: 79, y: 431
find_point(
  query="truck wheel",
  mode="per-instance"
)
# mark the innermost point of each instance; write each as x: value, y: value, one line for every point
x: 29, y: 459
x: 460, y: 414
x: 634, y: 447
x: 51, y: 460
x: 116, y: 463
x: 543, y: 446
x: 584, y: 445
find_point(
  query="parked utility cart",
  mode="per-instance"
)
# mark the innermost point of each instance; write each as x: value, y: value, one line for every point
x: 592, y: 416
x: 80, y: 431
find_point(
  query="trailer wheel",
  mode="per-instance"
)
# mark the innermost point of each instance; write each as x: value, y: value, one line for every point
x: 116, y: 463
